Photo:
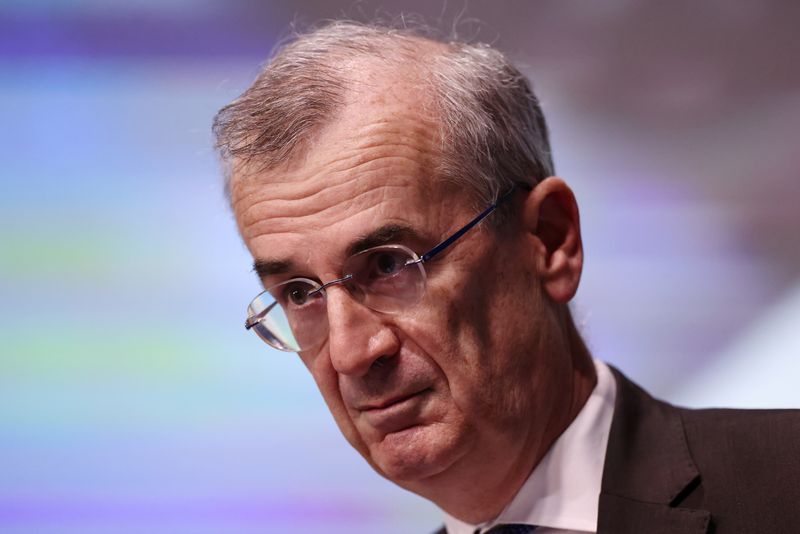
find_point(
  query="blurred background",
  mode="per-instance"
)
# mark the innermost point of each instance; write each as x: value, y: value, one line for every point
x: 131, y: 398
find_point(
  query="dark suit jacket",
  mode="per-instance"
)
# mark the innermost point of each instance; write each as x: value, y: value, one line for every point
x: 680, y: 471
x: 675, y: 470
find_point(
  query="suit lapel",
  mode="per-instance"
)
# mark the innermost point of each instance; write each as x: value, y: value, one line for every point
x: 648, y: 469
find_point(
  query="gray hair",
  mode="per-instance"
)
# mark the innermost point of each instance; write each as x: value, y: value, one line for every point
x: 493, y: 131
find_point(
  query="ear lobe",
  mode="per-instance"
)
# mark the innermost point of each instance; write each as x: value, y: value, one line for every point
x: 551, y: 216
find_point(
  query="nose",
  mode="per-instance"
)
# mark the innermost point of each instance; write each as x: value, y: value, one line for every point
x: 358, y: 336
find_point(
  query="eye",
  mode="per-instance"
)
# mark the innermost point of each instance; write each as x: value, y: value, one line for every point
x: 387, y: 263
x: 380, y: 270
x: 384, y: 264
x: 297, y: 294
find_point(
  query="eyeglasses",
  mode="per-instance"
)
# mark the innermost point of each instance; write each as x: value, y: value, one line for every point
x: 293, y: 316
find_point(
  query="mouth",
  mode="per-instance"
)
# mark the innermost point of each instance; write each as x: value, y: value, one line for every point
x: 396, y: 413
x: 391, y: 401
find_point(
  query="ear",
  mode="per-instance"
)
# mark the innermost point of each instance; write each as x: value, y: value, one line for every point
x: 552, y: 222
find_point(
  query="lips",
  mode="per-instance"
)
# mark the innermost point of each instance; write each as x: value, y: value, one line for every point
x: 380, y: 405
x: 395, y: 413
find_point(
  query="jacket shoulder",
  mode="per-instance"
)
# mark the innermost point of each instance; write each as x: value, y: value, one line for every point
x: 759, y: 446
x: 741, y: 466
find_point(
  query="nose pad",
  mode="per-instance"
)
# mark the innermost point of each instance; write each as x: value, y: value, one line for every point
x: 358, y: 337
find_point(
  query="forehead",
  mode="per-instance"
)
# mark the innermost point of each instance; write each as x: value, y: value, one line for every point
x: 373, y: 166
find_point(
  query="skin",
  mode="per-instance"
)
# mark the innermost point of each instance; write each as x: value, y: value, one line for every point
x: 459, y: 397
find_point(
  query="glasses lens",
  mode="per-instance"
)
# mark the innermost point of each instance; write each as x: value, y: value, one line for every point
x: 387, y: 278
x: 295, y: 318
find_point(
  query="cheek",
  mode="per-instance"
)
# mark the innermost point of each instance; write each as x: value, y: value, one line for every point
x: 447, y: 330
x: 474, y: 330
x: 327, y: 381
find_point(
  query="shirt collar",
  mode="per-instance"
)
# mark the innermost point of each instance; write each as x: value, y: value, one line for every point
x: 563, y: 490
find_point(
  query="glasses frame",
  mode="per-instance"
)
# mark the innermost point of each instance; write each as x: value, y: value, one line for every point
x: 253, y: 320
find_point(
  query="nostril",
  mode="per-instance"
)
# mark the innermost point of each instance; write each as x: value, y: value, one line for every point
x: 380, y: 362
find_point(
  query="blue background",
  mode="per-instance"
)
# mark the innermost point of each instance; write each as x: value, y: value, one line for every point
x: 131, y: 398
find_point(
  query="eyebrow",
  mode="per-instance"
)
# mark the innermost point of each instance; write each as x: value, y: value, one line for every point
x: 390, y: 233
x: 264, y: 268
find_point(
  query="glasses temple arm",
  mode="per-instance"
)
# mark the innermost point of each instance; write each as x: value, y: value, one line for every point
x: 450, y: 240
x: 254, y: 319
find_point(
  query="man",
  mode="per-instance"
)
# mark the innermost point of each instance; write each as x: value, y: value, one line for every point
x: 398, y: 197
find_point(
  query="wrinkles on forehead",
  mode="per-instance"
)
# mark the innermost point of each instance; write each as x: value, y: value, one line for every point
x: 351, y: 163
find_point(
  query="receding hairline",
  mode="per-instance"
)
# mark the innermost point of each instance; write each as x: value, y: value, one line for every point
x: 491, y: 127
x: 367, y: 75
x: 409, y: 65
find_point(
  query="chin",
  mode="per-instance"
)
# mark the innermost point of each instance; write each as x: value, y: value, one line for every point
x: 415, y: 454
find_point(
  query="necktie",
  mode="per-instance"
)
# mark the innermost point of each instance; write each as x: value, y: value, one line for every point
x: 511, y: 529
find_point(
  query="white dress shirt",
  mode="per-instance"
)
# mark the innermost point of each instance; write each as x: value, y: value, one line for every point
x: 562, y: 493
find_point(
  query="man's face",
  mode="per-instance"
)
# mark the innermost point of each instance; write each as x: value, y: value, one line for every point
x: 462, y: 380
